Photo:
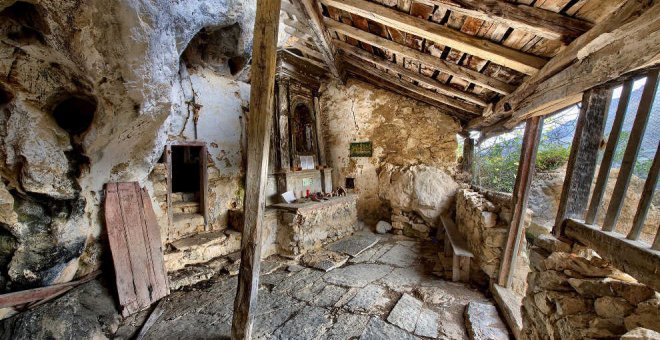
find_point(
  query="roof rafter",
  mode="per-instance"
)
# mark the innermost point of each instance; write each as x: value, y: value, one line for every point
x: 538, y: 21
x: 438, y: 86
x: 320, y: 36
x: 391, y: 78
x: 427, y: 59
x: 483, y: 48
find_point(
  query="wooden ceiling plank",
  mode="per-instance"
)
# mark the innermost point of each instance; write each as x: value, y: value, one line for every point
x: 627, y: 41
x: 514, y: 59
x: 437, y: 63
x: 441, y: 88
x: 392, y: 78
x: 539, y: 21
x: 320, y: 36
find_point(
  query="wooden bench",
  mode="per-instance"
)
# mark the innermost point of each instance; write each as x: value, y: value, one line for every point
x: 456, y: 246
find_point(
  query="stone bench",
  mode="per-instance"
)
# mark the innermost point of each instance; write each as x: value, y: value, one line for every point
x: 456, y: 246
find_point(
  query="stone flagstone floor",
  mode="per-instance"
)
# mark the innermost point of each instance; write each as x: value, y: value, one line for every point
x: 384, y: 292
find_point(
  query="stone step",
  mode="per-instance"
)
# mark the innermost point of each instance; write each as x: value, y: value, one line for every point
x: 183, y: 197
x: 482, y: 321
x: 184, y: 225
x: 185, y: 208
x: 193, y: 274
x: 201, y: 248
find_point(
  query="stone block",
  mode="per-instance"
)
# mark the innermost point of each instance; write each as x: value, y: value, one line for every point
x: 405, y: 313
x: 551, y: 244
x: 641, y: 334
x: 646, y: 315
x: 488, y: 219
x: 495, y: 237
x: 613, y: 307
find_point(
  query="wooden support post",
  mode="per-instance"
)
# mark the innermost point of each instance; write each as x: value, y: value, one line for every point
x: 632, y: 150
x: 531, y: 139
x: 608, y: 155
x: 645, y: 200
x: 262, y: 94
x: 582, y: 160
x: 468, y: 154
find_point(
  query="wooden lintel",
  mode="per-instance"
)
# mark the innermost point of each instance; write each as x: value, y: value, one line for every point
x: 456, y: 103
x: 483, y: 48
x: 626, y: 41
x: 426, y: 59
x: 262, y: 96
x: 535, y: 20
x: 438, y: 86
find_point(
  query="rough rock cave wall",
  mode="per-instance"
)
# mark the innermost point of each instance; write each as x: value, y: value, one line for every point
x: 124, y: 58
x: 414, y: 149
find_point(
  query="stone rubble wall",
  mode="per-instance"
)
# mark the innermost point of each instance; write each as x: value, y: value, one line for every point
x: 409, y: 223
x: 485, y: 226
x: 309, y: 229
x: 574, y: 294
x: 404, y: 133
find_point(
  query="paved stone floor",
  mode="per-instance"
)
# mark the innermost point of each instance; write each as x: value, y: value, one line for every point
x: 384, y: 292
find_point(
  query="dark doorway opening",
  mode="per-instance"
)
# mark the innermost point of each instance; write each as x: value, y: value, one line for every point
x: 186, y: 169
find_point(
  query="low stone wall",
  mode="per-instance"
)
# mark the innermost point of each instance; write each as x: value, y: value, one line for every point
x: 574, y: 294
x: 307, y: 229
x: 409, y: 223
x: 485, y: 226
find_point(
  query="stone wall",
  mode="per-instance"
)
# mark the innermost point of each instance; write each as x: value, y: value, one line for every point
x: 485, y: 225
x: 574, y: 294
x: 404, y: 133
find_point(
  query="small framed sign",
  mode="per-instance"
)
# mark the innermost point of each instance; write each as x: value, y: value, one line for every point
x: 362, y: 149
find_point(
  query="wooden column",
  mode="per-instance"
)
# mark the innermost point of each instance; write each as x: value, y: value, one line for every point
x: 262, y: 94
x: 468, y: 154
x: 582, y: 160
x: 526, y: 167
x: 608, y: 155
x: 631, y: 153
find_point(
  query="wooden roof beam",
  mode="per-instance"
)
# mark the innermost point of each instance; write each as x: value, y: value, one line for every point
x: 320, y: 36
x: 393, y: 79
x: 626, y: 41
x: 438, y: 86
x: 482, y: 48
x: 426, y: 59
x: 308, y: 51
x: 538, y: 21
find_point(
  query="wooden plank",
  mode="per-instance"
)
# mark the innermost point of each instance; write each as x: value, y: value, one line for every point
x: 628, y: 40
x: 646, y: 199
x: 32, y: 295
x: 458, y: 242
x: 259, y: 126
x: 114, y: 222
x: 632, y: 257
x: 427, y: 59
x: 632, y: 150
x: 471, y: 108
x: 483, y: 48
x: 320, y: 35
x: 204, y: 185
x: 526, y: 168
x: 440, y: 87
x: 608, y: 155
x: 581, y: 164
x: 168, y: 163
x: 136, y: 245
x: 538, y: 21
x: 161, y: 286
x: 308, y: 51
